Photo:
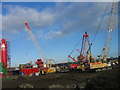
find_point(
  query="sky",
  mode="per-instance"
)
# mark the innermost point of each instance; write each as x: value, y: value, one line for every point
x: 57, y: 26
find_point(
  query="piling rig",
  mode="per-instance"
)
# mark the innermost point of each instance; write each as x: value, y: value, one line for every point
x: 85, y: 60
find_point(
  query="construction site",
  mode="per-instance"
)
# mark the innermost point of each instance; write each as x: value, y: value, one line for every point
x: 83, y: 71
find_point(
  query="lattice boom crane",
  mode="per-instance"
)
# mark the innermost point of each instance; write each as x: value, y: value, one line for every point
x: 110, y: 30
x: 35, y: 41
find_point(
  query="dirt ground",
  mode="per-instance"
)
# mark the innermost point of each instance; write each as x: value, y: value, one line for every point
x: 71, y: 79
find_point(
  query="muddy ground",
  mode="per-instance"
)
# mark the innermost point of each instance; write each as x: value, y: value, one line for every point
x: 72, y: 79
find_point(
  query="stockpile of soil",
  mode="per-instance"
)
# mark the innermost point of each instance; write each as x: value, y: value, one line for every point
x: 72, y: 79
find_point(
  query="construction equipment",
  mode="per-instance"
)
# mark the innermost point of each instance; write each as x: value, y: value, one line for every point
x: 35, y: 41
x: 43, y: 67
x: 38, y: 68
x: 72, y: 58
x: 51, y: 62
x: 84, y: 55
x: 109, y: 34
x: 85, y: 59
x: 58, y: 69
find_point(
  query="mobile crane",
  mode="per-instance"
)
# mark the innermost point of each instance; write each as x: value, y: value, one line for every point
x: 35, y: 41
x: 45, y: 68
x: 85, y: 59
x: 111, y: 26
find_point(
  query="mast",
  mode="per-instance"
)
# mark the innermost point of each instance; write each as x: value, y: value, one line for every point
x: 34, y: 41
x: 109, y: 34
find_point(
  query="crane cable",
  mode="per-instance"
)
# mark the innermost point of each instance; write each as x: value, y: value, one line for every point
x: 75, y: 46
x: 98, y: 28
x: 110, y: 28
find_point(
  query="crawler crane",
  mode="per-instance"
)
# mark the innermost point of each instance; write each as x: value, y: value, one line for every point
x: 85, y: 60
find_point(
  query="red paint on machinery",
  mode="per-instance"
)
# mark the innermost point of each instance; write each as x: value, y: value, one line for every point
x: 4, y: 56
x: 29, y: 70
x: 73, y: 65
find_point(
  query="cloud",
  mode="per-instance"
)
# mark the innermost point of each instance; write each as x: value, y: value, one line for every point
x: 52, y: 34
x: 69, y: 18
x: 14, y: 20
x: 77, y: 17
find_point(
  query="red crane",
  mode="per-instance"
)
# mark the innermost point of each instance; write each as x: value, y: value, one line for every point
x: 85, y: 50
x: 72, y: 58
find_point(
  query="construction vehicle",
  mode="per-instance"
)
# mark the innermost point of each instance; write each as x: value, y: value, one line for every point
x: 111, y: 26
x: 51, y: 68
x: 35, y: 41
x: 43, y: 67
x: 85, y: 58
x: 103, y: 57
x: 85, y: 61
x: 36, y: 68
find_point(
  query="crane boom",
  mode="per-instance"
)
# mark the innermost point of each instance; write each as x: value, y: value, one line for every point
x: 110, y: 30
x: 72, y: 58
x: 34, y: 40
